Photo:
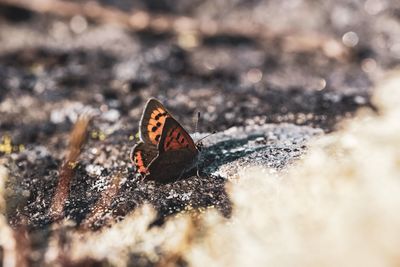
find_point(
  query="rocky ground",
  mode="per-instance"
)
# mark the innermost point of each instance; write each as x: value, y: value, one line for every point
x: 294, y: 73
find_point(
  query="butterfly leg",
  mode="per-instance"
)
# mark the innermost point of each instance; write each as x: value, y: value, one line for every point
x: 139, y: 177
x: 186, y: 171
x: 198, y: 174
x: 198, y: 171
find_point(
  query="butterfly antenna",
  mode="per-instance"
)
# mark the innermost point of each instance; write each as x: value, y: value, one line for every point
x: 208, y: 135
x: 198, y: 171
x: 196, y: 126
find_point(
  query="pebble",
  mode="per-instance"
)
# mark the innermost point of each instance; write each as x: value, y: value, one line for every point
x: 111, y: 115
x: 94, y: 170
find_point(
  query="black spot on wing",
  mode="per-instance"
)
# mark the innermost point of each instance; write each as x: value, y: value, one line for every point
x: 161, y: 114
x: 168, y: 143
x: 154, y: 128
x: 157, y: 137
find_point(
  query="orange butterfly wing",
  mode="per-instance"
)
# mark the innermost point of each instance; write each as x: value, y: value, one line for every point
x: 152, y: 122
x: 141, y: 156
x: 175, y: 137
x: 177, y: 153
x: 166, y: 149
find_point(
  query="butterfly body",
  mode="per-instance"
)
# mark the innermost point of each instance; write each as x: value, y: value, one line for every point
x: 166, y: 150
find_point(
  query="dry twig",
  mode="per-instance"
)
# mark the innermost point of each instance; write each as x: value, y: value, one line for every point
x: 15, y: 244
x: 77, y: 139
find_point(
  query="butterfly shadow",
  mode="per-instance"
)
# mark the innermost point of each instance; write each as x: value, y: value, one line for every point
x: 224, y: 152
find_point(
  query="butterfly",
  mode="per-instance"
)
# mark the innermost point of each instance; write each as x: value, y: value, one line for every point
x: 166, y: 150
